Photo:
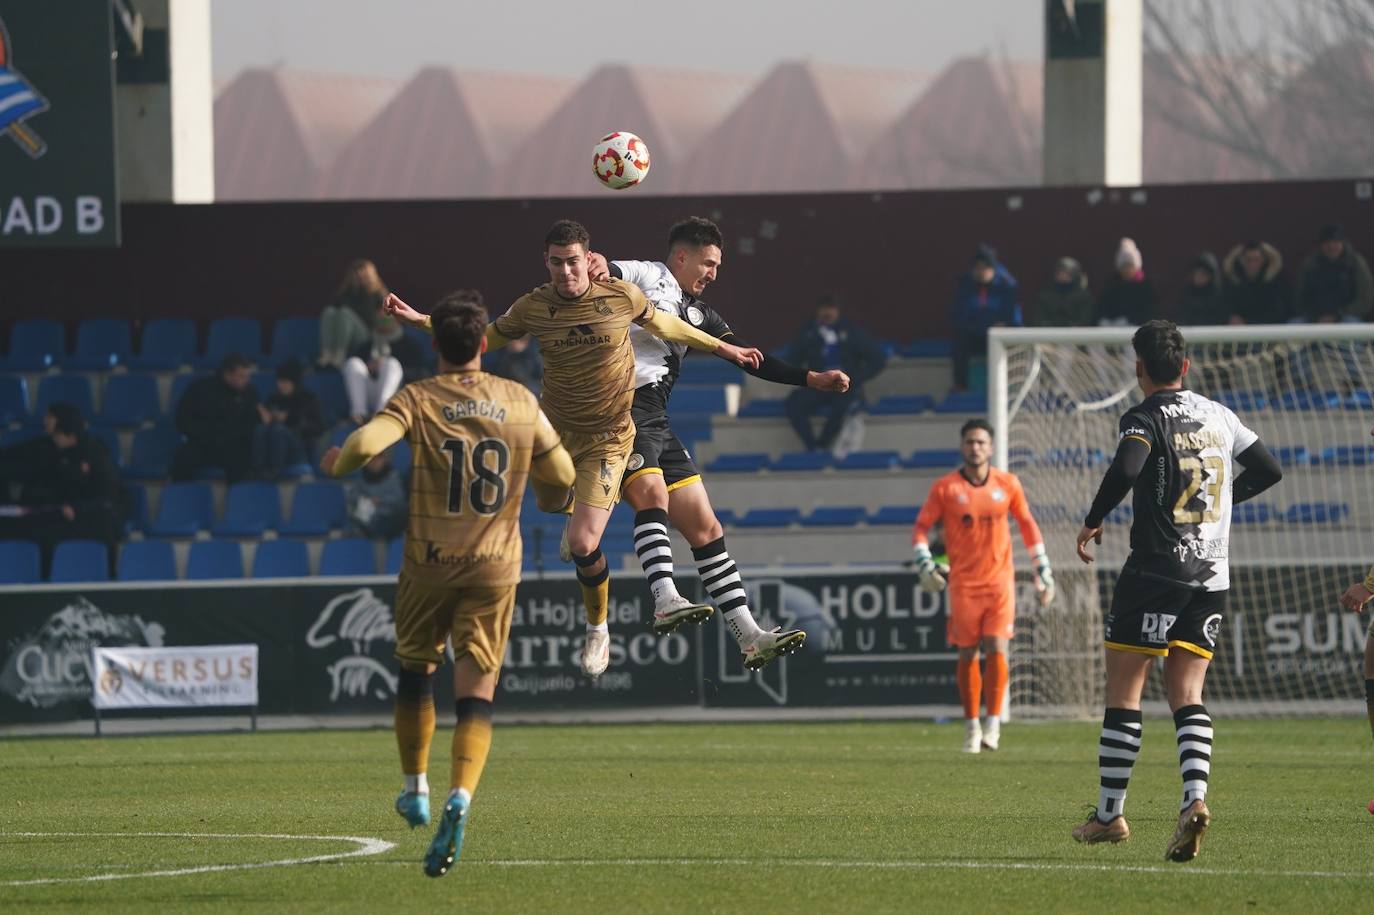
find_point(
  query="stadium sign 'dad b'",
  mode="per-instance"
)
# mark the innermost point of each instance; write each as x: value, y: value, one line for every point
x: 58, y: 173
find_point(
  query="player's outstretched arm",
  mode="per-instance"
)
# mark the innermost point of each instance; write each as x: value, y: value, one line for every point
x: 778, y: 371
x: 1130, y: 459
x: 554, y: 468
x: 676, y: 330
x: 402, y: 312
x: 366, y: 442
x: 1261, y: 471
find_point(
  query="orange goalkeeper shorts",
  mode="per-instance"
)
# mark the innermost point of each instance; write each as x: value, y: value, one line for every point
x: 980, y: 612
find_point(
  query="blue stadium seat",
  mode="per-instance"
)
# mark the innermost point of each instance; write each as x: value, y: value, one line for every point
x: 249, y: 510
x: 1359, y: 400
x: 281, y: 559
x: 869, y: 460
x: 167, y: 343
x: 395, y: 554
x: 928, y: 349
x: 726, y: 516
x: 803, y: 460
x: 184, y: 510
x: 349, y: 556
x: 763, y: 409
x: 769, y: 517
x: 1243, y: 401
x: 130, y: 400
x: 426, y: 344
x: 80, y: 560
x: 316, y: 509
x: 709, y: 371
x: 1293, y: 455
x: 22, y: 434
x: 934, y: 459
x: 1251, y: 513
x: 101, y: 344
x: 1019, y: 456
x: 297, y: 338
x: 971, y: 402
x: 835, y: 516
x: 329, y: 388
x: 738, y: 463
x: 153, y: 449
x: 232, y: 335
x: 214, y: 559
x: 147, y: 560
x: 35, y: 344
x: 72, y: 389
x: 904, y: 515
x: 688, y: 400
x: 135, y: 507
x: 1345, y: 456
x: 401, y: 457
x: 14, y: 399
x: 902, y: 404
x: 1074, y: 457
x: 1317, y: 513
x: 1311, y: 400
x: 179, y: 385
x: 692, y: 429
x: 109, y: 437
x: 20, y: 563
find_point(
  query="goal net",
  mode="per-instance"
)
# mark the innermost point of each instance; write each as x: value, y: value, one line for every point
x: 1056, y: 395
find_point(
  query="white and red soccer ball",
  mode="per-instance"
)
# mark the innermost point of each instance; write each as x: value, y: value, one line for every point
x: 620, y: 160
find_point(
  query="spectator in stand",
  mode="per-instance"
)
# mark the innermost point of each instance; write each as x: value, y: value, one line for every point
x: 1256, y: 290
x: 376, y: 370
x: 347, y: 322
x: 1066, y: 301
x: 831, y: 341
x: 1335, y: 283
x: 292, y: 421
x: 377, y: 500
x: 69, y: 486
x: 518, y: 360
x: 217, y: 415
x: 987, y: 296
x: 1202, y: 302
x: 1128, y: 299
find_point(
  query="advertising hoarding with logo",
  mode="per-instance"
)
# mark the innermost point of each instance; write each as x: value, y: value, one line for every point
x: 180, y: 677
x: 58, y: 177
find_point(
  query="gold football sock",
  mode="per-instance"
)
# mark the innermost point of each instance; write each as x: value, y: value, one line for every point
x: 596, y: 586
x: 414, y: 720
x: 471, y: 743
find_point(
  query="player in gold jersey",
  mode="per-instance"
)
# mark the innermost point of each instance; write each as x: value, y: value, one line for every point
x: 589, y: 381
x: 475, y: 439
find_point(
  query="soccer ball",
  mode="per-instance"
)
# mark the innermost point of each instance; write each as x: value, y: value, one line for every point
x: 620, y: 160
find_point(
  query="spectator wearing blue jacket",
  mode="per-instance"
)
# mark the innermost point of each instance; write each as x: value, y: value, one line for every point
x: 831, y: 341
x: 987, y: 296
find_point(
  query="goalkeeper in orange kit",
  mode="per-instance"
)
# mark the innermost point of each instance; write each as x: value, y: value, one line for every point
x: 973, y: 503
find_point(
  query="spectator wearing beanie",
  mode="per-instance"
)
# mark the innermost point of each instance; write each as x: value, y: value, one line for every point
x: 1066, y: 301
x: 1256, y: 290
x: 1335, y: 284
x: 1128, y: 299
x: 1202, y: 300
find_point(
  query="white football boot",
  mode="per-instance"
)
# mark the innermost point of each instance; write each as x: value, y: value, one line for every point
x: 973, y: 736
x: 596, y: 653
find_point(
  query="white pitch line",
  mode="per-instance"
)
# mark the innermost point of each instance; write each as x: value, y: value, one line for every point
x: 365, y: 848
x: 899, y: 865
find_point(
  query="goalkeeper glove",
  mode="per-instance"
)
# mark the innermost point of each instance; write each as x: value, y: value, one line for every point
x: 1044, y: 575
x: 932, y: 575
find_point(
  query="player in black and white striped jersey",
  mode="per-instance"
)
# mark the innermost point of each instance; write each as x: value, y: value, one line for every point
x: 1175, y: 454
x: 661, y: 480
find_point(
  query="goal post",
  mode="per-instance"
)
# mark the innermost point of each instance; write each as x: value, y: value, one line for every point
x: 1055, y: 397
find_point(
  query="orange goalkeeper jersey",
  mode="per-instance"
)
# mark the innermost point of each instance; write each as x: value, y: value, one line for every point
x: 977, y: 535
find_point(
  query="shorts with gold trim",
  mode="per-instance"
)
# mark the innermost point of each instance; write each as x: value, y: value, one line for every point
x: 599, y: 458
x: 476, y: 619
x: 657, y: 449
x: 1150, y: 615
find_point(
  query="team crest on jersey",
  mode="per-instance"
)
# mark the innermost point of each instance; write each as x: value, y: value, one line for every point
x: 601, y: 307
x: 998, y: 495
x: 695, y: 316
x: 961, y: 498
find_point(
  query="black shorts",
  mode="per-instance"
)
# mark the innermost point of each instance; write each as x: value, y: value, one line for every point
x: 1151, y: 615
x: 657, y: 450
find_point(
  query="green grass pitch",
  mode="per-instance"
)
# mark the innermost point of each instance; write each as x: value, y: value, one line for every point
x: 862, y: 817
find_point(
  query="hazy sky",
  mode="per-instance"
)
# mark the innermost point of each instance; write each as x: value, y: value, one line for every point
x: 398, y: 37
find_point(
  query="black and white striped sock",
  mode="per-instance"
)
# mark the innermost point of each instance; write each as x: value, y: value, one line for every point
x: 721, y: 577
x: 1117, y: 750
x: 1194, y: 728
x: 655, y: 553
